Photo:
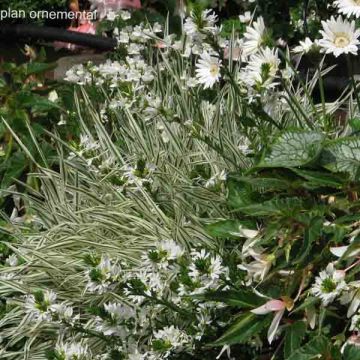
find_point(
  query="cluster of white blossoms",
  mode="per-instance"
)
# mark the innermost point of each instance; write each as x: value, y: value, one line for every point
x: 103, y: 276
x: 117, y: 320
x: 72, y: 351
x: 42, y: 306
x: 164, y: 285
x: 113, y: 73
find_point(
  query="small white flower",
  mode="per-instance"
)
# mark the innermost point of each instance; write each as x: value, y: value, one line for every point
x: 53, y: 96
x: 12, y: 260
x: 206, y: 23
x: 216, y: 179
x: 63, y: 312
x: 73, y: 351
x: 339, y: 37
x: 39, y: 306
x: 254, y: 36
x: 88, y: 143
x: 125, y: 15
x: 119, y: 313
x: 175, y: 338
x: 172, y: 250
x: 246, y: 18
x: 111, y: 15
x: 348, y: 7
x: 262, y: 69
x: 106, y: 275
x: 304, y: 46
x: 329, y: 284
x: 208, y: 70
x: 123, y: 37
x: 205, y: 271
x: 134, y: 176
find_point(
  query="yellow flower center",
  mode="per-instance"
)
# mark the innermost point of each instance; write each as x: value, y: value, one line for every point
x: 342, y: 40
x: 357, y: 2
x: 214, y: 70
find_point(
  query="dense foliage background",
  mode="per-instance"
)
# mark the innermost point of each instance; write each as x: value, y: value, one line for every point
x: 193, y: 196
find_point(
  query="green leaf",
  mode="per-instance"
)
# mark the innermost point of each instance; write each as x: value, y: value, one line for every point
x: 243, y: 299
x: 294, y: 148
x: 280, y: 207
x: 355, y: 124
x: 262, y: 183
x: 351, y: 352
x: 317, y: 178
x: 311, y: 234
x: 246, y: 326
x: 239, y: 194
x: 35, y: 102
x: 293, y: 337
x: 229, y: 228
x: 343, y: 156
x: 310, y: 301
x: 38, y: 68
x: 13, y: 168
x: 315, y: 348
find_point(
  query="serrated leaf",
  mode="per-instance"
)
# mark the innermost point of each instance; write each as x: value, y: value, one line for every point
x: 317, y: 178
x: 343, y: 156
x: 315, y: 348
x: 243, y: 299
x: 230, y: 228
x: 246, y: 326
x: 262, y: 183
x: 294, y: 148
x: 239, y: 194
x: 293, y: 337
x: 279, y: 207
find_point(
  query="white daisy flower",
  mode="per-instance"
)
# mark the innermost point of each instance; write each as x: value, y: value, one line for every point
x: 208, y: 70
x: 339, y: 37
x: 329, y: 284
x: 254, y: 36
x: 348, y: 7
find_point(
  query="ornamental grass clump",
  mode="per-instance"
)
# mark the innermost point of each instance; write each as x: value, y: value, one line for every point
x: 208, y: 210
